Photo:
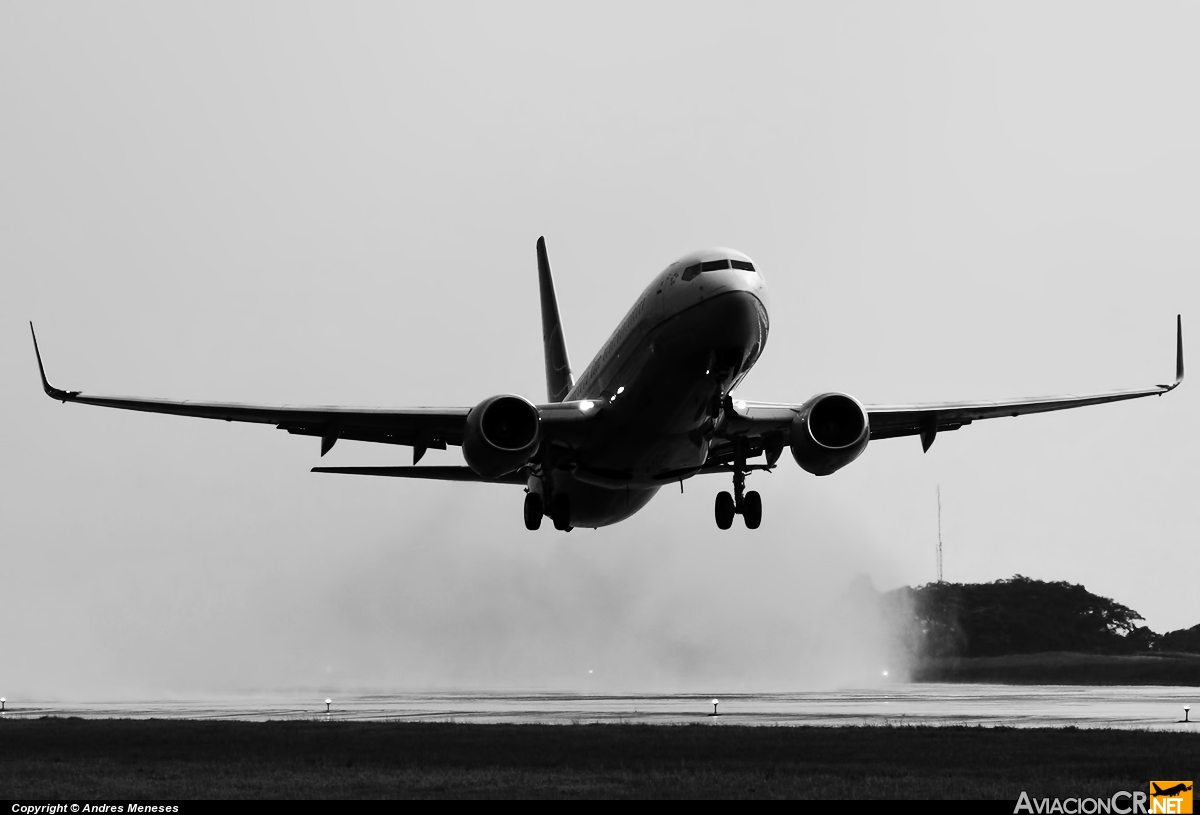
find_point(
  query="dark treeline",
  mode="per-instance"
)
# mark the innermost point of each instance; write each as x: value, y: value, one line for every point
x: 1022, y: 616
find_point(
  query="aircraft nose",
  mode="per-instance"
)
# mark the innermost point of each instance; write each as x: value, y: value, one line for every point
x: 735, y: 319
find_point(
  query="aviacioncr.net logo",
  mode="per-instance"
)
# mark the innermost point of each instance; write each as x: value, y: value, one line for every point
x: 1164, y: 798
x: 1170, y: 797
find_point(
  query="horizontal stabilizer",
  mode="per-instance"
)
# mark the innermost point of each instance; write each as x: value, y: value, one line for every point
x: 451, y: 473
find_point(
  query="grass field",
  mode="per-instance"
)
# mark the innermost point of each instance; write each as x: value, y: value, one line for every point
x: 1061, y: 668
x: 121, y: 760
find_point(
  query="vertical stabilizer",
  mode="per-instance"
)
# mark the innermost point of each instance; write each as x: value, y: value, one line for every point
x: 559, y: 380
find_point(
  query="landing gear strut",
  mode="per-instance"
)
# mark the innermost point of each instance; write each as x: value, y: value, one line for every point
x: 746, y: 504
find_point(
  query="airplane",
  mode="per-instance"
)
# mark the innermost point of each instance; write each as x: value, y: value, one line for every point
x: 654, y: 407
x: 1170, y: 792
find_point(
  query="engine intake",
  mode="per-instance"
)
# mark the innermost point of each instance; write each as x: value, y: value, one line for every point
x: 829, y: 432
x: 502, y: 434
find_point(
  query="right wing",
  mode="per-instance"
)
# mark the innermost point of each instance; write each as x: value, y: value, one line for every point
x: 761, y: 426
x: 925, y: 420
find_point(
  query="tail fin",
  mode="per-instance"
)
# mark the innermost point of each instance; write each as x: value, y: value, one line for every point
x: 559, y: 379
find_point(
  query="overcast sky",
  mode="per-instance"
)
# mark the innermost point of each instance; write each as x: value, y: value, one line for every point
x: 338, y: 204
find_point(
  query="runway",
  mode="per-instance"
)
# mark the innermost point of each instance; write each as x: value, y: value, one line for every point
x: 1121, y: 707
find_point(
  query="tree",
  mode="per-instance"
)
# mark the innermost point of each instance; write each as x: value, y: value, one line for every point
x: 1015, y: 616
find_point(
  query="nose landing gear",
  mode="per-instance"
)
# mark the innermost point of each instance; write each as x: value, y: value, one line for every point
x: 746, y: 504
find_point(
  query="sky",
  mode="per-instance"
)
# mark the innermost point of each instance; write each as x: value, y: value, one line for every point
x: 338, y: 203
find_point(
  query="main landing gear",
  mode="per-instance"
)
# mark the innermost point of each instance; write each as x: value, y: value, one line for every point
x: 746, y: 504
x: 533, y: 511
x: 560, y: 511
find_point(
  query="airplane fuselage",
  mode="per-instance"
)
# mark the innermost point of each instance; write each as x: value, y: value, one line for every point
x: 690, y: 338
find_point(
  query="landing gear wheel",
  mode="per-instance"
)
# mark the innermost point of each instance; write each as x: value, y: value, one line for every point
x: 724, y: 510
x: 560, y: 512
x: 752, y: 509
x: 533, y: 511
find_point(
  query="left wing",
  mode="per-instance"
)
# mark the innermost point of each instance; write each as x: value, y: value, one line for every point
x: 765, y: 425
x: 422, y: 428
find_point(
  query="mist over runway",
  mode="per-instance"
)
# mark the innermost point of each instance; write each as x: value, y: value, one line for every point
x: 1126, y: 708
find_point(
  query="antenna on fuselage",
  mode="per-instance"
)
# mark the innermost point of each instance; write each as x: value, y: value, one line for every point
x: 559, y: 379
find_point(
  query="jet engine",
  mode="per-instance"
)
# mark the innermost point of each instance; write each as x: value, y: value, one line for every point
x: 829, y: 432
x: 502, y: 434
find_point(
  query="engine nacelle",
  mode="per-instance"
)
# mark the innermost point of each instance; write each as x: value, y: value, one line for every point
x: 829, y: 432
x: 502, y: 434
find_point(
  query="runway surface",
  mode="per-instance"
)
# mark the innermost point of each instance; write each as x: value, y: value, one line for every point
x: 1139, y: 708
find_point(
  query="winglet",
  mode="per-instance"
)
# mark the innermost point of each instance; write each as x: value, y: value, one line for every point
x: 51, y: 391
x: 1178, y: 355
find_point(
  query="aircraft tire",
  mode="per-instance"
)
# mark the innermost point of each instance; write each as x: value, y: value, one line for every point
x: 752, y: 509
x: 561, y: 513
x: 533, y: 511
x: 724, y: 510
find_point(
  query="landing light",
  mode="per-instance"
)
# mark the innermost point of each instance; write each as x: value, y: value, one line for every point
x: 739, y: 404
x: 586, y: 405
x: 621, y: 389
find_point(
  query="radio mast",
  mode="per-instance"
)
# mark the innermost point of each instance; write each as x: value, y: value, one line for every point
x: 939, y: 548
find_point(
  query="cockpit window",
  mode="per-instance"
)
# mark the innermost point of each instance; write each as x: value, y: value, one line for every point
x: 713, y: 265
